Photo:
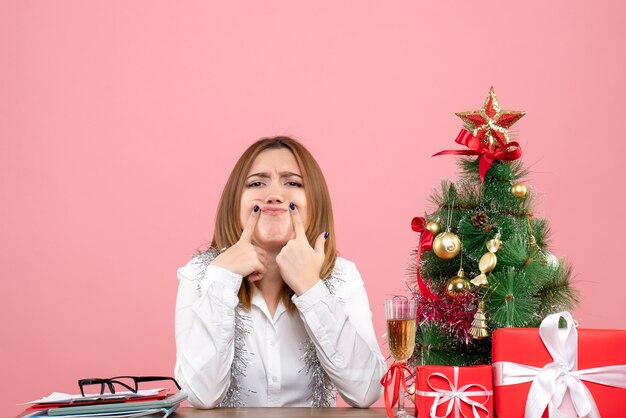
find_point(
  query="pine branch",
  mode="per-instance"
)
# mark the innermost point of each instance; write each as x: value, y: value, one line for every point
x: 557, y: 294
x: 512, y: 303
x: 435, y: 347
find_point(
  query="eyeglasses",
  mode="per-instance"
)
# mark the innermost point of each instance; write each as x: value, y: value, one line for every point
x: 130, y: 383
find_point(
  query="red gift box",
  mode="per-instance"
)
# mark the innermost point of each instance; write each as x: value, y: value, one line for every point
x: 449, y: 391
x: 552, y: 354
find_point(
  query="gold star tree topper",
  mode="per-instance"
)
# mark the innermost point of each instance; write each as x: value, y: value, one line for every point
x: 491, y: 124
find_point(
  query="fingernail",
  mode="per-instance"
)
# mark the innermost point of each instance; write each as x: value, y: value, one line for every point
x: 256, y: 208
x: 326, y: 235
x: 292, y: 206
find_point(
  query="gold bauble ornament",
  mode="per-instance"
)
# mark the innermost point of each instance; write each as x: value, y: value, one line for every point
x: 519, y: 190
x: 434, y: 227
x: 458, y: 284
x: 447, y: 245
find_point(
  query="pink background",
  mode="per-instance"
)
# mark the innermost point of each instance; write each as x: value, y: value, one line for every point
x: 119, y: 122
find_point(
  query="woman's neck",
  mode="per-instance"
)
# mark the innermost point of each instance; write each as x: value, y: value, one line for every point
x: 271, y: 283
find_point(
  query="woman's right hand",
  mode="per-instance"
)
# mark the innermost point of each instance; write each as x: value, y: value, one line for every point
x: 244, y: 258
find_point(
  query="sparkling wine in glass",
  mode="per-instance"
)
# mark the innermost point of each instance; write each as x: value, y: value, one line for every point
x: 400, y: 315
x: 401, y: 335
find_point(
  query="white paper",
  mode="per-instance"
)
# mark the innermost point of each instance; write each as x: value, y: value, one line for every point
x: 57, y: 397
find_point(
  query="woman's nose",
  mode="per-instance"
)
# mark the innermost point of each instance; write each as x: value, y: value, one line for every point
x: 274, y: 199
x: 274, y: 195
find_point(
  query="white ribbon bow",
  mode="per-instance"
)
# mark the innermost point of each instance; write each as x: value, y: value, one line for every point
x: 551, y: 383
x: 455, y: 396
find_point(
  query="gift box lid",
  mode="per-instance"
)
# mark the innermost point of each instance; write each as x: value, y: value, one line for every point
x: 596, y: 347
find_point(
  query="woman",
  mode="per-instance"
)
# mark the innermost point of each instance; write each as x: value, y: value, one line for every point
x: 274, y: 317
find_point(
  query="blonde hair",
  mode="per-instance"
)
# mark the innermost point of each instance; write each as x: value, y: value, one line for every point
x: 228, y: 226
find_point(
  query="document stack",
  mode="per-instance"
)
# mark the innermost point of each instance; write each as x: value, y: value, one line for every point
x: 143, y: 403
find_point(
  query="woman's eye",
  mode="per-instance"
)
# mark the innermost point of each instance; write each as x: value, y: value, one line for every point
x: 254, y: 184
x: 294, y: 184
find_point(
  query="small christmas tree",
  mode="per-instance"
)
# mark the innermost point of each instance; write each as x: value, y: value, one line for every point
x: 482, y: 260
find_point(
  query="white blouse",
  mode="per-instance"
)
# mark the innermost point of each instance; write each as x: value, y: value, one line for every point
x: 339, y: 324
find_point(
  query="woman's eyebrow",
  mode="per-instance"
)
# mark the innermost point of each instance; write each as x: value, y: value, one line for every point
x: 289, y: 174
x: 282, y: 174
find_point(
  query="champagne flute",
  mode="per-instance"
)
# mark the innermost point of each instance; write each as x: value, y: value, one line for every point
x: 400, y: 315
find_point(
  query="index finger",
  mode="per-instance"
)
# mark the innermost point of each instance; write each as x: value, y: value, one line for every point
x: 296, y: 220
x: 248, y: 230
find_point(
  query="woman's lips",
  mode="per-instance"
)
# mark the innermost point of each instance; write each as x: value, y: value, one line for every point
x: 273, y: 211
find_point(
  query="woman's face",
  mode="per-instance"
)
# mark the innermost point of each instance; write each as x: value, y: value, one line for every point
x: 273, y: 182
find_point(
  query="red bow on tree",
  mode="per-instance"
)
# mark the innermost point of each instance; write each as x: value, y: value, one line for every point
x: 488, y: 153
x: 426, y: 242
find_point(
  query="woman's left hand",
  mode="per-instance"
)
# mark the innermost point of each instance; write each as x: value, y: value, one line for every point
x: 299, y: 263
